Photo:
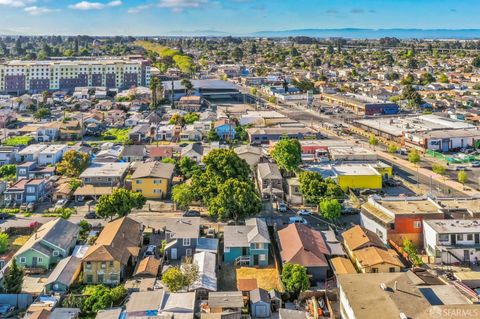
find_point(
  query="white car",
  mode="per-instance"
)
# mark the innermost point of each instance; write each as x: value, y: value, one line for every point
x: 61, y: 203
x: 304, y: 212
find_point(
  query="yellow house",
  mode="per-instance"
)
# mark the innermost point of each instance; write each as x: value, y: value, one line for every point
x: 153, y: 179
x: 374, y: 259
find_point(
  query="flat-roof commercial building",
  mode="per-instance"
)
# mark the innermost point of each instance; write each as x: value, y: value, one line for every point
x: 444, y: 140
x: 362, y: 105
x: 398, y: 128
x: 204, y: 88
x: 17, y: 77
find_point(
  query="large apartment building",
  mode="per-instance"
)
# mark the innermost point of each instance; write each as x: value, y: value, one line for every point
x: 18, y: 77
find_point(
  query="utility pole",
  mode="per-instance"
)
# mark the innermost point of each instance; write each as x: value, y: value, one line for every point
x: 173, y: 95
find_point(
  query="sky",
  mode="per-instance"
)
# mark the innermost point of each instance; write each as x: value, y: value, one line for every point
x: 237, y: 17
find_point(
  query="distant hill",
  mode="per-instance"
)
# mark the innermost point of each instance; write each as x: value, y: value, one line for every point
x: 355, y: 33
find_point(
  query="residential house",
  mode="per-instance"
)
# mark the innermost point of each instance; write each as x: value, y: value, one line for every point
x: 207, y: 275
x: 303, y: 245
x: 452, y: 241
x: 48, y: 244
x: 294, y: 194
x: 260, y: 306
x: 52, y: 154
x: 160, y: 303
x: 225, y: 129
x: 66, y: 272
x: 148, y: 267
x: 165, y: 132
x: 32, y: 170
x: 194, y: 151
x: 247, y: 244
x: 158, y: 153
x: 251, y: 154
x: 8, y: 155
x: 225, y: 302
x: 190, y: 103
x: 189, y: 133
x: 140, y: 133
x: 181, y: 235
x: 270, y: 180
x: 47, y: 132
x: 133, y: 153
x: 71, y: 130
x: 32, y: 190
x: 153, y: 179
x: 31, y: 152
x: 114, y: 253
x: 108, y: 153
x: 105, y: 174
x: 368, y: 252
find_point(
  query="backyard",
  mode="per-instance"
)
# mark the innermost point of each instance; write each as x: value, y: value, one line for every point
x: 267, y: 278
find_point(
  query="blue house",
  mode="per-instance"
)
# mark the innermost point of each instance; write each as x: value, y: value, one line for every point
x: 225, y: 129
x: 247, y: 244
x: 181, y: 237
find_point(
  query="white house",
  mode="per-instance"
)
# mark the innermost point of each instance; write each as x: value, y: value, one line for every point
x: 31, y: 152
x: 51, y: 155
x: 452, y: 240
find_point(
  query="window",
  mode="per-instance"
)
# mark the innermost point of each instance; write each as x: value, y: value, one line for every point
x: 157, y: 181
x: 226, y: 250
x: 104, y: 265
x: 417, y: 224
x: 22, y: 171
x: 23, y: 260
x: 88, y: 265
x: 30, y: 189
x: 40, y: 260
x: 55, y: 253
x: 186, y: 242
x: 459, y: 236
x: 111, y: 264
x: 138, y: 181
x: 443, y: 237
x: 469, y: 236
x: 262, y: 257
x: 89, y: 278
x: 188, y: 252
x: 114, y: 277
x: 157, y: 191
x: 374, y: 270
x: 258, y: 246
x: 391, y: 269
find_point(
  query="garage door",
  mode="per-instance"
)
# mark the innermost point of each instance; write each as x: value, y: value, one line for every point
x: 261, y: 311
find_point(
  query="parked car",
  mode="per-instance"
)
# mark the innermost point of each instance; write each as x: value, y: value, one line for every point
x: 461, y: 168
x: 304, y: 212
x: 61, y: 203
x: 150, y: 251
x: 297, y: 220
x: 191, y: 213
x: 475, y: 164
x: 6, y: 309
x: 4, y: 216
x: 282, y: 207
x: 91, y: 215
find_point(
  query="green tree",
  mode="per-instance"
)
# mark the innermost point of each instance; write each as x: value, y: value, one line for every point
x: 168, y: 160
x: 413, y: 156
x: 187, y: 84
x: 75, y: 183
x: 462, y: 177
x: 392, y: 149
x: 157, y: 91
x: 188, y: 167
x: 225, y: 164
x: 120, y: 202
x: 182, y: 195
x: 73, y: 163
x: 253, y: 91
x: 476, y: 61
x: 443, y: 78
x: 412, y: 96
x: 412, y: 253
x: 212, y: 135
x: 13, y: 278
x: 99, y: 297
x: 191, y: 118
x: 426, y: 78
x: 438, y: 168
x: 287, y: 154
x: 314, y: 187
x: 177, y: 278
x: 8, y: 171
x: 373, y: 140
x: 42, y: 113
x: 330, y: 208
x: 235, y: 200
x: 3, y: 242
x: 295, y: 278
x: 177, y: 119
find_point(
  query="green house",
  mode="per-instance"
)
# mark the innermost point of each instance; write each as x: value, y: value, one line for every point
x: 48, y: 245
x: 247, y: 244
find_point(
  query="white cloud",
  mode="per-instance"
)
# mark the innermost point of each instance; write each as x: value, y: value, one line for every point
x: 140, y: 8
x: 16, y: 3
x: 180, y: 5
x: 86, y: 5
x: 35, y: 11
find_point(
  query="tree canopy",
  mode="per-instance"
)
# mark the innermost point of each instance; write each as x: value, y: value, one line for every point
x: 177, y: 278
x: 295, y: 278
x: 330, y: 208
x: 73, y: 163
x: 287, y: 154
x: 314, y: 187
x: 120, y: 202
x: 13, y: 278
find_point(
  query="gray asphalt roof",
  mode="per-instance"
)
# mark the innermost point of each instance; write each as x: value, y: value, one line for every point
x: 255, y: 231
x: 259, y: 294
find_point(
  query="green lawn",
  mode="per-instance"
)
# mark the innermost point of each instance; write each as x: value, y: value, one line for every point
x: 116, y: 135
x: 18, y: 140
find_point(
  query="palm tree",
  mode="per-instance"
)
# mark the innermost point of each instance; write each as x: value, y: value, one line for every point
x: 187, y: 84
x: 156, y: 87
